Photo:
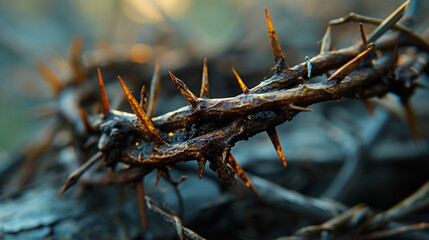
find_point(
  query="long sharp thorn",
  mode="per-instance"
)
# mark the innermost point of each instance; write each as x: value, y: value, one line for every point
x: 275, y: 45
x: 184, y: 90
x: 75, y: 175
x: 347, y: 68
x: 75, y: 59
x: 104, y: 100
x: 240, y: 172
x: 272, y: 133
x: 243, y: 86
x: 363, y: 36
x: 85, y: 120
x: 201, y: 166
x: 298, y: 108
x: 368, y: 107
x: 159, y: 175
x: 155, y: 89
x: 144, y: 120
x: 412, y: 122
x: 143, y: 98
x: 205, y: 81
x: 142, y: 203
x: 326, y: 41
x: 50, y: 77
x: 388, y: 23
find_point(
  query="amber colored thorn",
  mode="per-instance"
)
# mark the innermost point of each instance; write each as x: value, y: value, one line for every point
x: 201, y: 166
x: 104, y: 100
x: 76, y: 174
x: 240, y: 172
x: 159, y: 175
x: 412, y: 122
x: 275, y: 45
x: 368, y: 107
x: 155, y: 89
x: 272, y: 133
x: 142, y: 203
x: 205, y: 81
x: 347, y: 68
x: 75, y: 59
x: 144, y: 120
x: 326, y: 41
x: 85, y: 120
x: 144, y: 98
x: 184, y: 90
x: 243, y: 86
x: 363, y: 36
x: 50, y: 77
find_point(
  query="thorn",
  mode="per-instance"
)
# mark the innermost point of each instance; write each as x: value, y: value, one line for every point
x: 155, y: 89
x: 144, y: 120
x: 50, y: 77
x: 412, y: 122
x: 75, y: 59
x: 388, y: 23
x: 309, y: 66
x: 205, y: 82
x: 143, y: 98
x: 159, y: 175
x: 347, y: 68
x: 104, y: 100
x: 395, y: 62
x: 243, y: 86
x: 201, y: 166
x: 275, y: 45
x: 85, y: 120
x: 326, y: 41
x: 368, y: 107
x: 363, y: 36
x: 298, y: 108
x: 240, y: 172
x: 272, y: 133
x: 142, y: 203
x: 184, y: 90
x: 76, y: 174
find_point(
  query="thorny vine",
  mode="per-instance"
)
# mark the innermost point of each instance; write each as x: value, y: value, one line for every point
x: 208, y: 128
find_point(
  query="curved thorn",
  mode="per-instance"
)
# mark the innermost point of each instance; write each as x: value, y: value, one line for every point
x: 243, y: 86
x: 240, y: 172
x: 326, y: 41
x: 155, y: 89
x: 50, y: 77
x: 201, y: 166
x: 104, y: 100
x: 76, y: 174
x: 275, y: 45
x: 85, y: 120
x: 272, y: 133
x: 347, y: 68
x: 142, y: 203
x: 143, y: 98
x: 144, y: 120
x: 184, y: 90
x: 205, y: 81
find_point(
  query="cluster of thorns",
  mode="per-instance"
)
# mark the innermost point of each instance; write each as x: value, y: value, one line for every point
x: 133, y: 145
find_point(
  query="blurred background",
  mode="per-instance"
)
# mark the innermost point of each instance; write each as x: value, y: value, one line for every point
x: 180, y: 34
